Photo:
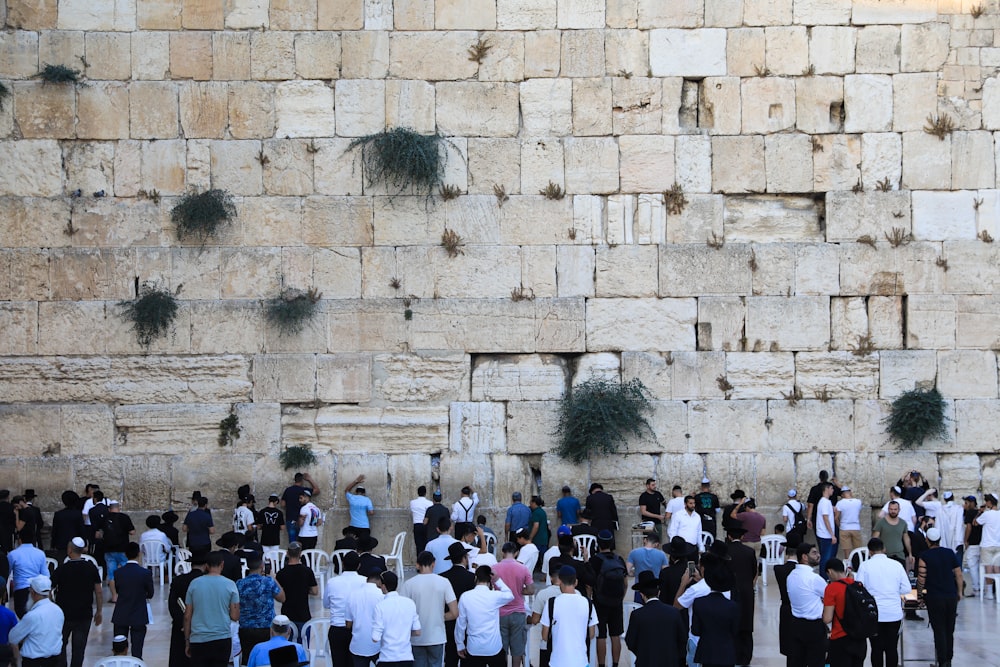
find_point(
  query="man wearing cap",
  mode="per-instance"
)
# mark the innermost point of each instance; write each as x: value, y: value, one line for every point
x: 39, y: 632
x: 707, y: 505
x: 791, y: 511
x: 418, y: 513
x: 656, y: 631
x: 279, y: 630
x: 527, y: 551
x: 310, y: 519
x: 651, y: 504
x: 939, y: 580
x: 647, y: 558
x: 603, y: 511
x: 518, y: 579
x: 463, y: 511
x: 886, y: 580
x: 358, y: 617
x: 199, y: 526
x: 436, y: 603
x: 973, y: 535
x: 258, y: 593
x: 847, y: 512
x: 688, y: 523
x: 290, y: 502
x: 568, y: 622
x: 955, y: 518
x: 272, y: 520
x: 989, y: 545
x: 77, y: 585
x: 134, y: 585
x: 207, y: 625
x: 567, y: 508
x: 359, y: 506
x: 25, y: 562
x: 116, y: 532
x: 395, y: 624
x: 299, y: 582
x: 478, y: 630
x: 178, y: 591
x: 462, y: 581
x: 518, y: 516
x: 338, y: 590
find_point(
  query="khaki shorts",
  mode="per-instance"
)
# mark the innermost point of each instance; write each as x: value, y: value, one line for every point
x: 849, y: 541
x: 987, y: 554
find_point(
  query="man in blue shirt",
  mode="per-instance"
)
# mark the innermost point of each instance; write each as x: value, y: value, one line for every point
x: 279, y: 637
x: 199, y: 527
x: 360, y: 507
x: 568, y: 508
x: 518, y: 516
x: 26, y: 561
x: 7, y: 621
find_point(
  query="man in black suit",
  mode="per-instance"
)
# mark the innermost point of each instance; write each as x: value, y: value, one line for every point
x: 781, y: 573
x: 716, y: 621
x: 603, y: 511
x: 657, y: 633
x: 679, y: 552
x: 743, y: 564
x: 178, y: 591
x: 462, y: 581
x: 134, y: 584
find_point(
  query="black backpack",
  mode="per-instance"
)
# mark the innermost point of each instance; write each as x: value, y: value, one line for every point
x: 610, y: 586
x: 552, y: 620
x: 860, y: 619
x: 799, y: 525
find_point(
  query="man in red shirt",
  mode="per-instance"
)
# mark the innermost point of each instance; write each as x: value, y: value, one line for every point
x: 844, y: 651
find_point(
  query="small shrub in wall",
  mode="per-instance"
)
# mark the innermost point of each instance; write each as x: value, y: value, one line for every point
x: 151, y: 313
x: 296, y: 457
x: 597, y: 417
x: 201, y: 214
x: 401, y: 158
x: 915, y: 416
x: 289, y: 311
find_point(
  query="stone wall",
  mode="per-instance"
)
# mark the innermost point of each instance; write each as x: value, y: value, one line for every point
x: 795, y: 128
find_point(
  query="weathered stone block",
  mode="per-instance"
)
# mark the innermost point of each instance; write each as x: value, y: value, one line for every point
x: 365, y: 54
x: 231, y: 57
x: 45, y: 110
x: 469, y: 108
x: 877, y: 50
x: 832, y: 49
x: 317, y: 55
x: 519, y: 378
x: 926, y: 161
x: 591, y: 165
x: 972, y: 164
x: 478, y: 428
x: 914, y: 98
x: 788, y: 162
x: 700, y: 52
x: 787, y: 50
x: 728, y: 425
x: 817, y: 100
x: 531, y: 426
x: 407, y: 472
x: 700, y: 270
x: 191, y: 55
x: 626, y: 271
x: 868, y: 103
x: 32, y: 15
x: 974, y: 432
x: 542, y: 162
x: 103, y: 111
x: 812, y: 425
x: 641, y: 324
x: 719, y: 103
x: 168, y: 429
x: 153, y: 110
x: 424, y: 379
x: 836, y: 165
x: 822, y: 12
x: 765, y: 218
x: 848, y: 322
x: 944, y: 216
x: 204, y: 110
x: 852, y: 215
x: 738, y: 164
x: 885, y: 322
x: 967, y: 373
x: 340, y: 14
x: 930, y: 321
x: 702, y: 217
x: 272, y: 55
x: 647, y: 163
x: 960, y: 473
x: 905, y: 370
x: 526, y: 14
x: 843, y: 374
x: 895, y: 11
x: 693, y: 169
x: 575, y: 271
x: 745, y: 48
x: 431, y: 56
x: 305, y: 109
x: 350, y: 430
x: 793, y: 323
x: 96, y: 15
x: 756, y: 375
x: 546, y: 107
x: 720, y: 323
x: 33, y: 168
x: 582, y: 53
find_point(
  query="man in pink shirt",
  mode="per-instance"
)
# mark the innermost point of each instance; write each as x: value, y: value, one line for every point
x: 513, y: 619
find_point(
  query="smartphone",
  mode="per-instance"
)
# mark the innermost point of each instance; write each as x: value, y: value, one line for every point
x: 690, y: 568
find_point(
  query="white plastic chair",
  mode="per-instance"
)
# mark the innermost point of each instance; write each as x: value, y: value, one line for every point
x: 337, y: 561
x: 319, y: 562
x: 491, y: 543
x: 862, y: 553
x: 276, y: 559
x: 396, y: 555
x: 316, y: 641
x: 706, y: 541
x: 244, y: 568
x: 774, y: 553
x: 182, y: 561
x: 586, y: 545
x: 121, y: 661
x: 182, y: 567
x: 155, y: 556
x: 994, y: 578
x: 53, y: 564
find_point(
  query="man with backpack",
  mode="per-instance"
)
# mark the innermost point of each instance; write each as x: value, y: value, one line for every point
x: 568, y: 622
x: 610, y: 572
x: 795, y: 519
x: 854, y: 615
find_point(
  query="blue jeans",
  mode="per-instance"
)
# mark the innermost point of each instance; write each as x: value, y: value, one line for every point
x: 428, y: 656
x: 827, y: 551
x: 293, y: 531
x: 114, y: 560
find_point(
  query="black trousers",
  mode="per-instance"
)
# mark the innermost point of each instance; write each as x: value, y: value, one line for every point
x: 884, y: 645
x: 211, y: 654
x: 942, y: 613
x: 744, y: 647
x: 75, y: 633
x: 340, y: 646
x: 51, y: 661
x: 20, y: 598
x: 308, y: 542
x: 450, y: 647
x: 136, y: 635
x: 847, y: 652
x: 498, y: 660
x: 364, y: 660
x: 807, y: 643
x: 419, y: 536
x: 250, y: 637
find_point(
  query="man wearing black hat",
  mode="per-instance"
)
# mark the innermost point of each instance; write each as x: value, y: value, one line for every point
x: 168, y: 519
x: 715, y: 621
x: 743, y: 565
x: 368, y: 560
x: 679, y: 553
x: 462, y: 581
x: 603, y: 511
x: 232, y: 569
x: 178, y: 591
x: 477, y: 631
x: 657, y: 633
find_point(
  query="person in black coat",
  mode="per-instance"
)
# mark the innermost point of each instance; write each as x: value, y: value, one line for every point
x: 657, y: 633
x: 743, y: 565
x: 178, y: 592
x: 67, y: 523
x: 462, y: 581
x: 716, y: 622
x: 603, y: 511
x: 134, y: 585
x: 680, y: 553
x: 781, y: 573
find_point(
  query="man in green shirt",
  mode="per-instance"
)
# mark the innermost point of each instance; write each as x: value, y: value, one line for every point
x: 893, y: 532
x: 213, y: 603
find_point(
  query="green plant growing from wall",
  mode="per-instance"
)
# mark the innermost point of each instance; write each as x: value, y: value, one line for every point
x: 151, y: 313
x: 401, y: 158
x: 296, y: 457
x: 59, y: 74
x: 290, y: 310
x: 201, y: 214
x: 915, y: 416
x: 597, y: 417
x: 229, y: 429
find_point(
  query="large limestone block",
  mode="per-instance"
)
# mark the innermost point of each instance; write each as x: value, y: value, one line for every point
x: 885, y: 322
x: 419, y: 379
x: 343, y: 378
x: 626, y: 271
x: 816, y: 101
x: 972, y: 165
x: 944, y: 216
x: 792, y: 323
x: 691, y: 53
x: 103, y: 111
x: 293, y: 15
x: 33, y: 168
x: 787, y: 50
x: 693, y: 167
x: 19, y: 222
x: 817, y: 269
x: 241, y: 14
x: 580, y: 14
x: 432, y: 56
x: 272, y: 55
x: 975, y: 421
x: 812, y: 425
x: 494, y: 162
x: 852, y: 215
x: 991, y: 103
x: 305, y: 109
x: 603, y: 365
x: 575, y: 270
x: 626, y: 51
x: 365, y: 54
x: 702, y: 217
x: 960, y: 473
x: 51, y: 474
x: 542, y: 162
x: 967, y: 373
x: 745, y: 48
x: 204, y: 110
x: 531, y: 426
x: 878, y: 50
x: 251, y: 111
x: 695, y: 373
x: 621, y: 475
x: 547, y: 107
x: 410, y: 104
x: 541, y: 377
x: 19, y: 53
x: 930, y: 321
x: 718, y: 105
x: 31, y: 15
x: 977, y: 322
x: 317, y: 55
x: 341, y: 14
x: 843, y: 374
x: 684, y: 469
x: 668, y: 422
x: 789, y: 163
x: 893, y: 11
x: 18, y: 327
x: 478, y: 428
x: 720, y: 322
x: 641, y: 324
x: 592, y: 165
x: 738, y: 164
x: 509, y: 474
x: 92, y: 273
x: 231, y: 56
x: 822, y: 12
x: 756, y: 375
x: 926, y: 162
x: 881, y: 158
x: 542, y: 53
x: 470, y: 108
x: 225, y: 327
x: 57, y: 430
x: 349, y: 429
x: 88, y: 317
x: 477, y: 271
x: 914, y: 97
x: 97, y: 15
x: 848, y: 322
x: 837, y: 165
x: 924, y: 47
x: 865, y: 270
x: 191, y: 55
x: 526, y: 14
x: 45, y: 110
x: 647, y: 163
x: 465, y: 15
x: 407, y: 472
x: 182, y: 428
x: 684, y: 14
x: 728, y: 425
x: 153, y: 109
x: 870, y: 434
x: 650, y: 220
x: 652, y: 369
x: 621, y: 219
x: 286, y: 378
x: 538, y: 270
x: 236, y: 167
x: 637, y: 105
x: 558, y: 472
x: 832, y: 49
x: 868, y: 103
x: 767, y: 219
x: 288, y: 171
x: 700, y: 270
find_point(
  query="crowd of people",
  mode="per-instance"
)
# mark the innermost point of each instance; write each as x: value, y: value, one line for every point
x: 476, y: 594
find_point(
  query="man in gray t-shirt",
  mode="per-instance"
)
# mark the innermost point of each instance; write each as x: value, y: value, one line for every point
x: 213, y: 603
x: 432, y: 593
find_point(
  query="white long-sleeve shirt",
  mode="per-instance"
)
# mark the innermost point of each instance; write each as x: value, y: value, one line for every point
x: 338, y: 590
x: 464, y: 509
x: 886, y: 580
x: 688, y: 526
x: 478, y: 627
x: 956, y: 525
x: 361, y: 612
x: 395, y: 619
x: 805, y: 592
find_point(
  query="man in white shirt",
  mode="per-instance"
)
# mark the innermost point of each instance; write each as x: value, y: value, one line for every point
x: 338, y: 590
x: 358, y: 617
x: 538, y: 604
x: 687, y: 523
x: 394, y: 623
x: 955, y: 518
x: 154, y: 534
x: 825, y: 531
x: 674, y: 505
x: 527, y: 552
x: 477, y: 631
x: 848, y: 515
x: 439, y: 545
x: 572, y: 624
x: 435, y: 603
x: 943, y: 517
x: 463, y: 511
x: 40, y: 630
x: 243, y: 518
x: 807, y: 639
x: 989, y: 547
x: 886, y: 580
x: 906, y: 511
x: 789, y: 509
x: 418, y: 512
x: 310, y: 519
